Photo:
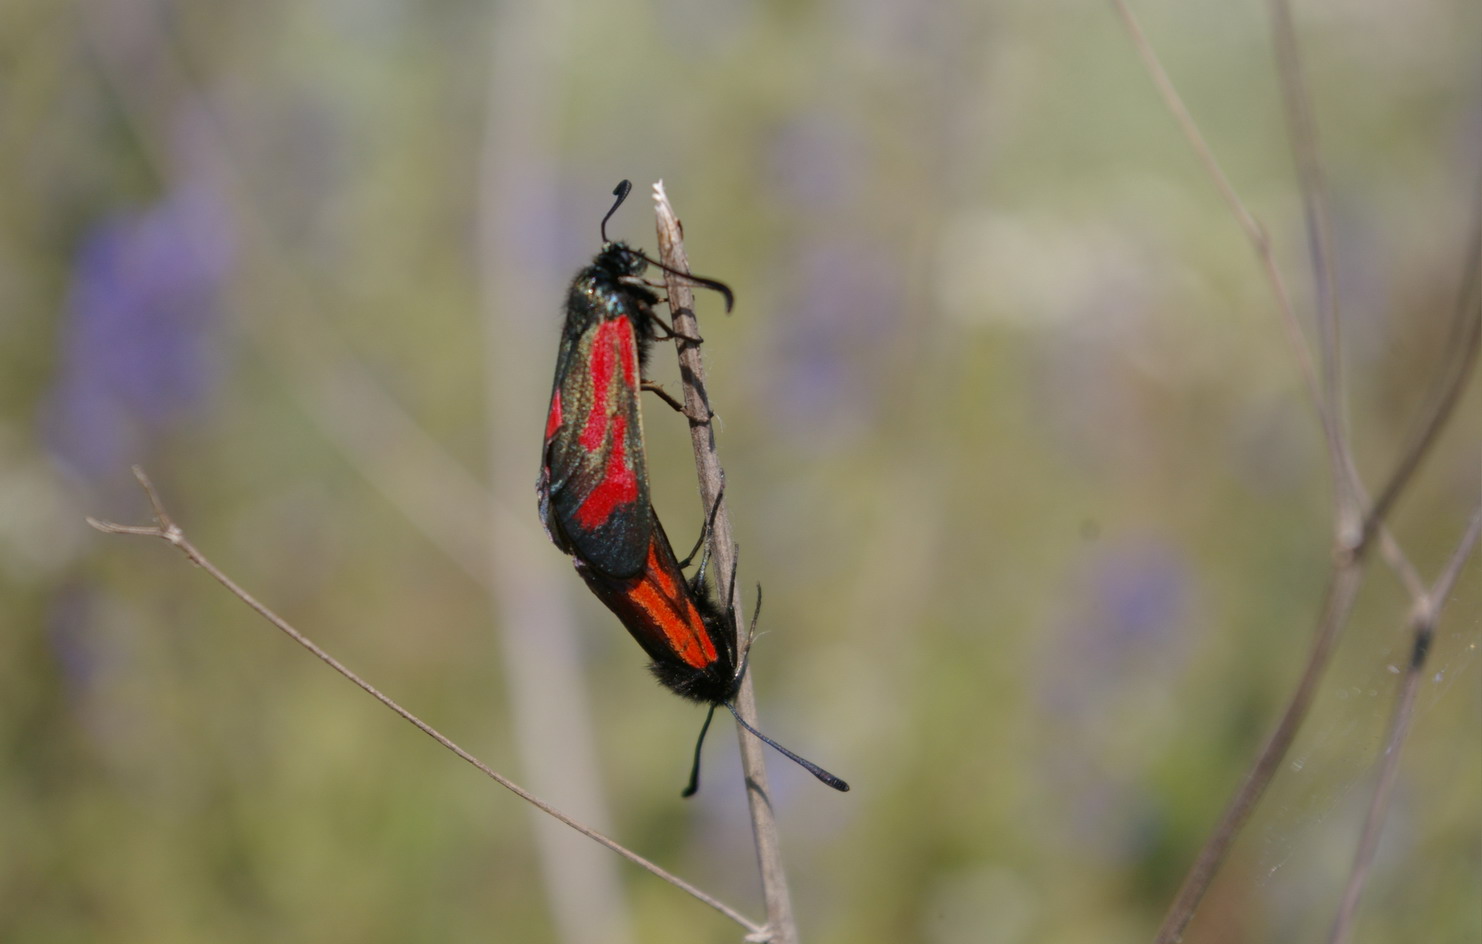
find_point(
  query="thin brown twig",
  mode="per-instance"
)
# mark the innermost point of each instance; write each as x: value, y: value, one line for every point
x: 1400, y: 565
x: 780, y: 921
x: 323, y: 374
x: 1354, y: 528
x: 384, y: 443
x: 1423, y: 621
x: 167, y: 530
x: 1461, y: 351
x: 1343, y: 582
x: 1254, y: 231
x: 1302, y: 132
x: 1352, y: 533
x: 1460, y: 355
x: 1337, y: 603
x: 1425, y: 608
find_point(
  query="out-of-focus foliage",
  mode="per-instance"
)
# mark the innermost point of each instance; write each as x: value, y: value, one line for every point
x: 1014, y: 441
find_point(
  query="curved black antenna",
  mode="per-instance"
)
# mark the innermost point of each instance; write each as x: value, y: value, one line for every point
x: 694, y: 784
x: 712, y: 284
x: 802, y: 762
x: 621, y: 191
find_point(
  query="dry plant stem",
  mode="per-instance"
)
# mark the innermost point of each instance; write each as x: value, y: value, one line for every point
x: 165, y: 529
x: 1422, y: 627
x: 1343, y: 582
x: 1466, y: 334
x: 1466, y: 329
x: 1460, y: 357
x: 320, y: 372
x: 1342, y: 587
x: 1462, y: 348
x: 1302, y: 130
x: 1254, y: 231
x: 780, y: 920
x: 381, y: 440
x: 1408, y: 576
x: 1353, y: 533
x: 339, y: 394
x: 1337, y: 603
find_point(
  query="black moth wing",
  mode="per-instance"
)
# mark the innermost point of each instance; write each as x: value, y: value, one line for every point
x: 677, y: 622
x: 594, y: 494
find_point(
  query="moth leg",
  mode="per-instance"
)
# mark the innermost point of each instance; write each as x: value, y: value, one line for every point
x: 674, y: 404
x: 658, y: 388
x: 664, y: 331
x: 705, y: 538
x: 756, y: 611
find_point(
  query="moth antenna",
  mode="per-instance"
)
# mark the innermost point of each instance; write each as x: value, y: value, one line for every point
x: 802, y: 762
x: 712, y: 284
x: 694, y: 784
x: 621, y: 191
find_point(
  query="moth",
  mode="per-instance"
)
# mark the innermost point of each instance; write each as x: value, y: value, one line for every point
x: 593, y: 487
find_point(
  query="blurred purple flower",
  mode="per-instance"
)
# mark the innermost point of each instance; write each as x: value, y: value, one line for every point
x: 830, y: 344
x: 1128, y: 629
x: 814, y: 163
x: 68, y: 632
x: 137, y: 352
x: 842, y: 307
x: 1126, y: 634
x: 1140, y: 596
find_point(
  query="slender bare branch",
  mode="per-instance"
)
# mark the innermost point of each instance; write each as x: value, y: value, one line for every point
x: 1254, y: 231
x: 417, y: 475
x: 1343, y: 582
x: 1459, y: 557
x: 1337, y: 603
x: 1353, y: 533
x: 1355, y: 530
x: 1423, y: 627
x: 712, y: 480
x: 1302, y: 132
x: 1405, y: 571
x: 167, y: 530
x: 1461, y: 353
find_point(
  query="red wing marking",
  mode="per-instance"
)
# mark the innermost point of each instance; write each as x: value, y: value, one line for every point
x: 666, y: 603
x: 612, y: 351
x: 553, y: 421
x: 619, y: 484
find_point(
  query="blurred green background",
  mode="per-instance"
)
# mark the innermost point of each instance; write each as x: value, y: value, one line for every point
x: 1014, y: 442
